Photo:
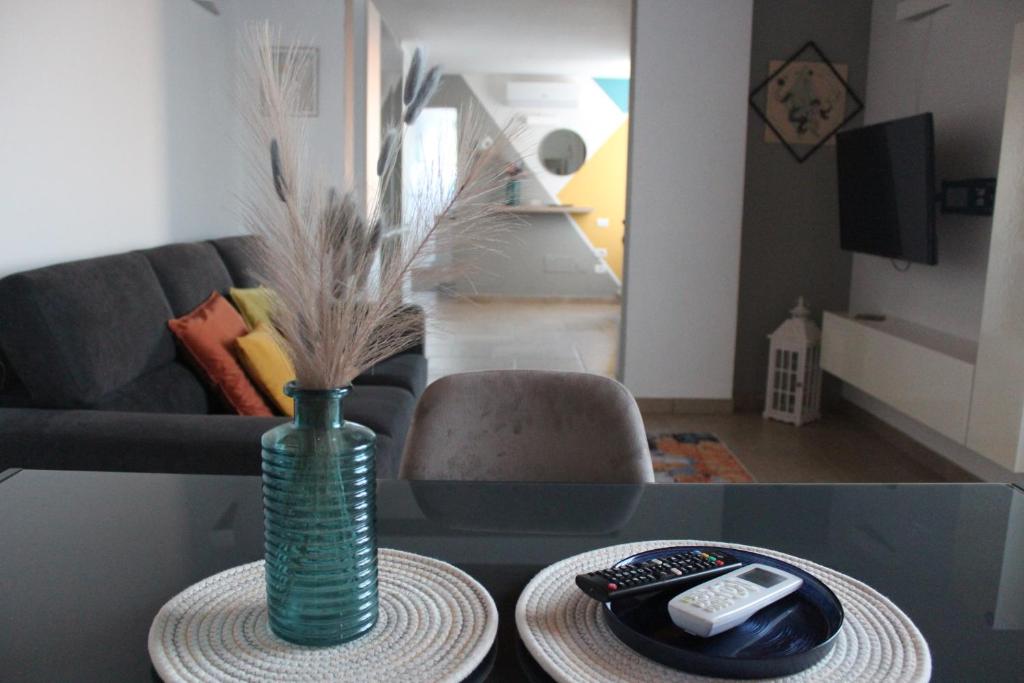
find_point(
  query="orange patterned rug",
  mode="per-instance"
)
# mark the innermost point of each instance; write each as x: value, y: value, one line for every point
x: 694, y: 457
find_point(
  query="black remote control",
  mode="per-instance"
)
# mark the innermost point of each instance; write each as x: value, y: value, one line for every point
x: 655, y: 575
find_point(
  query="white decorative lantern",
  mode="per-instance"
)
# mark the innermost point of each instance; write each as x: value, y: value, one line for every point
x: 794, y: 370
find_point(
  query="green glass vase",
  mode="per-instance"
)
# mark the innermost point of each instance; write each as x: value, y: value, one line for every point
x: 319, y: 510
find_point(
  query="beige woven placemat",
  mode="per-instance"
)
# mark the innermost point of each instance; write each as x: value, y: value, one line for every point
x: 565, y: 632
x: 436, y: 624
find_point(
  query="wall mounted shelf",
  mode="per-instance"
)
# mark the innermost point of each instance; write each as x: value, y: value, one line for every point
x: 546, y: 209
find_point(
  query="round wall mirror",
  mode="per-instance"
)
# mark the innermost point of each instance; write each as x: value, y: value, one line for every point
x: 562, y: 151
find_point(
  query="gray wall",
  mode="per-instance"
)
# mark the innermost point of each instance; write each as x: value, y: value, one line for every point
x: 537, y: 257
x: 790, y: 243
x: 955, y: 64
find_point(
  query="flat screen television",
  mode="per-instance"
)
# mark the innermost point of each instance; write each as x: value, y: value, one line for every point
x: 887, y: 189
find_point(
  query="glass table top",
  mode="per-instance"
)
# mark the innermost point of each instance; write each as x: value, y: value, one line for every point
x: 87, y: 558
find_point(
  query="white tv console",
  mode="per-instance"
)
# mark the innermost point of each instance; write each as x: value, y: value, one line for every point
x: 923, y: 373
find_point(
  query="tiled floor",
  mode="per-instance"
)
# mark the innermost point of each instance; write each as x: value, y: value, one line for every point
x: 836, y: 448
x: 464, y: 336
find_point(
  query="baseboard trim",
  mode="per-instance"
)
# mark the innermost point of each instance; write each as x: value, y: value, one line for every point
x: 915, y: 450
x: 685, y: 406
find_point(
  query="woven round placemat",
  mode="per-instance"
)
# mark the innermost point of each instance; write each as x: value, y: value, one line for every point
x: 565, y: 632
x: 436, y: 623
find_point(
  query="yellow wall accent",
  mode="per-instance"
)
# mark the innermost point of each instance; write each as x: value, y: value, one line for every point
x: 601, y: 183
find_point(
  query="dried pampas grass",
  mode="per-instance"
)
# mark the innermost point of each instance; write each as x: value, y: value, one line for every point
x: 338, y: 271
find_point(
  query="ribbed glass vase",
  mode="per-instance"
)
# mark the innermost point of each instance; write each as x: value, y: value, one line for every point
x: 319, y: 509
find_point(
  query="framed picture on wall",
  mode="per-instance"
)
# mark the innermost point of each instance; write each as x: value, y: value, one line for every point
x: 307, y: 74
x: 804, y: 101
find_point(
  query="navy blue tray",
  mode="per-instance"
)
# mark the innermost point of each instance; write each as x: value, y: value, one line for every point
x: 782, y: 639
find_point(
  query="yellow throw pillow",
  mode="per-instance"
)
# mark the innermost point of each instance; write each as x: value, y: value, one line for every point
x: 254, y: 303
x: 267, y: 365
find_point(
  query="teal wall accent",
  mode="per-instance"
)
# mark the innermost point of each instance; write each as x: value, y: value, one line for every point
x: 617, y: 89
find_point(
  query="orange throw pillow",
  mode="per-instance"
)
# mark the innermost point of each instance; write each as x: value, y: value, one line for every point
x: 208, y: 334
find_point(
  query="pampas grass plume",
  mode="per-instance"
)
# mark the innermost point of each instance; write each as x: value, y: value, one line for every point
x: 412, y: 79
x: 337, y: 270
x: 426, y: 91
x: 387, y: 149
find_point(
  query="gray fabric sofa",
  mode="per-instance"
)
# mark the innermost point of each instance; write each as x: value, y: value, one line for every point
x: 91, y: 379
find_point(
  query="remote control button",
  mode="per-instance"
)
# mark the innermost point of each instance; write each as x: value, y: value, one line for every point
x: 719, y: 563
x: 612, y: 587
x: 676, y: 572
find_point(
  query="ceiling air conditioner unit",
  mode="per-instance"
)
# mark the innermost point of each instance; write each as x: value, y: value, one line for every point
x: 541, y: 94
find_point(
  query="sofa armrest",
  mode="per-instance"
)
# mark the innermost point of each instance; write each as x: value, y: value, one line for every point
x: 131, y: 442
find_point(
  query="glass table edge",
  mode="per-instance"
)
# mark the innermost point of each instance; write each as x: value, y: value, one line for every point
x: 1016, y: 487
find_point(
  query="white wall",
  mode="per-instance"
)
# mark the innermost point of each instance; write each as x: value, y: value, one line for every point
x: 996, y: 423
x: 594, y: 118
x: 691, y: 69
x: 112, y: 128
x: 520, y: 264
x: 954, y: 63
x: 119, y: 127
x: 318, y: 23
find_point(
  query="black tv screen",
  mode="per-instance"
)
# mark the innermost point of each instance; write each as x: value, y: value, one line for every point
x: 887, y: 189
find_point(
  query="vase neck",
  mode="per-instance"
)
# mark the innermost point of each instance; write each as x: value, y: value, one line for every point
x: 318, y: 408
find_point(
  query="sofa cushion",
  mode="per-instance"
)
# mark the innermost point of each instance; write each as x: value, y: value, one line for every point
x: 388, y: 412
x: 208, y: 336
x: 172, y: 388
x: 234, y: 251
x: 188, y: 273
x: 406, y: 371
x: 146, y: 442
x: 12, y: 391
x: 79, y: 331
x: 133, y: 441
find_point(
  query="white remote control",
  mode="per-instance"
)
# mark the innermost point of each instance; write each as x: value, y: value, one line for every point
x: 730, y: 599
